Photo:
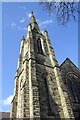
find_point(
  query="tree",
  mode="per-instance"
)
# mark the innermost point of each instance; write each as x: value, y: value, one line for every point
x: 64, y: 11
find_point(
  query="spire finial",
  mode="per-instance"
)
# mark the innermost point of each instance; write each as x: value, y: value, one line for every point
x: 23, y: 37
x: 32, y: 14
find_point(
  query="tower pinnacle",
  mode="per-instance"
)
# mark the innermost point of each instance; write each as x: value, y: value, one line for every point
x: 23, y: 37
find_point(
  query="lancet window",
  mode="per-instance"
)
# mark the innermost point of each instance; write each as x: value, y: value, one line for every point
x: 39, y: 46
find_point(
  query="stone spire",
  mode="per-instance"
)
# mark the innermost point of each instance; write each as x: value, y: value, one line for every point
x: 32, y: 19
x: 33, y: 22
x: 39, y: 90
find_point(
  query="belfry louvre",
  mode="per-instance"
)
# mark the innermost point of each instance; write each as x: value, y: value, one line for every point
x: 43, y: 89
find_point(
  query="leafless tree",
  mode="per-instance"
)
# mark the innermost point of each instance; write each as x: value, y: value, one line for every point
x: 64, y: 11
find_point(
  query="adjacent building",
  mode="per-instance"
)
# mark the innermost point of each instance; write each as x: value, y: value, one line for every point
x: 4, y: 115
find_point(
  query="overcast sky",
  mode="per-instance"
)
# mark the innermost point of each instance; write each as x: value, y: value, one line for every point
x: 15, y: 18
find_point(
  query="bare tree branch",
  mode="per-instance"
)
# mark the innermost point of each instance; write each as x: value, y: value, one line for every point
x: 64, y: 10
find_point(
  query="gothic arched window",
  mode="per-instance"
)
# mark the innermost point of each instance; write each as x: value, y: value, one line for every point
x: 74, y: 87
x: 39, y: 46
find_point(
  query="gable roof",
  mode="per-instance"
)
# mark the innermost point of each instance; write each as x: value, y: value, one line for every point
x: 70, y: 62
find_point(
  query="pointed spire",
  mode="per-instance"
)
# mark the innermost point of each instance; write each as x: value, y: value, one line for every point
x: 32, y: 19
x: 33, y: 22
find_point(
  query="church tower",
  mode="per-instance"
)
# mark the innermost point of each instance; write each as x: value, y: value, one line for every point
x: 39, y: 91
